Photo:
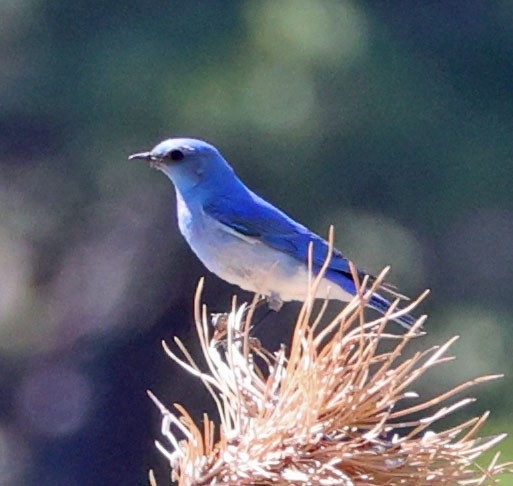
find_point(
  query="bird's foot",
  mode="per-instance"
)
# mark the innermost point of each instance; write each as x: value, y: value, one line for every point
x: 274, y: 304
x: 219, y: 321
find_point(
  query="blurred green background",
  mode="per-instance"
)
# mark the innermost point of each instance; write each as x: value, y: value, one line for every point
x: 392, y: 120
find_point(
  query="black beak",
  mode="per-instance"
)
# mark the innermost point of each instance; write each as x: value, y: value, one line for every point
x: 141, y: 156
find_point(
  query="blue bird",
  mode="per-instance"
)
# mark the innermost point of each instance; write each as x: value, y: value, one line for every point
x: 244, y: 239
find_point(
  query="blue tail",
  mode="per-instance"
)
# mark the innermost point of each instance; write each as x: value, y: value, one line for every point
x: 377, y: 302
x: 381, y: 304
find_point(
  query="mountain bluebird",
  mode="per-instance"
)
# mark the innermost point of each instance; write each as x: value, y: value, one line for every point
x: 244, y: 239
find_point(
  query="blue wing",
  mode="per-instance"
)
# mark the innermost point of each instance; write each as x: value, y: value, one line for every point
x: 258, y: 219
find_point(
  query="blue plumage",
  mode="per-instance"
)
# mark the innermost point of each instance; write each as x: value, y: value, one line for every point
x: 243, y: 238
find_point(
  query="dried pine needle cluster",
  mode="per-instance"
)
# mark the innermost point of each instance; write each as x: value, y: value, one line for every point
x: 329, y: 410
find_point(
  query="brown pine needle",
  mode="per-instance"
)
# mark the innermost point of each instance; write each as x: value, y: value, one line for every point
x: 325, y: 411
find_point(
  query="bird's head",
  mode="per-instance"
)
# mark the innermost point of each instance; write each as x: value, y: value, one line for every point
x: 186, y: 161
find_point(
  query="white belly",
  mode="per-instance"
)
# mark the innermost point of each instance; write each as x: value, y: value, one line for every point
x: 249, y: 263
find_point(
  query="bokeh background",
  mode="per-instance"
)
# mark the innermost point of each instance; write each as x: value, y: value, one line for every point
x: 392, y: 120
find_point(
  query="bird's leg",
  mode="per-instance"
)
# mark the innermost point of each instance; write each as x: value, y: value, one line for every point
x: 262, y: 319
x: 274, y: 305
x: 275, y: 302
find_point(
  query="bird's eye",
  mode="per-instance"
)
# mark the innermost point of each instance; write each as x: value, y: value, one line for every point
x: 176, y: 155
